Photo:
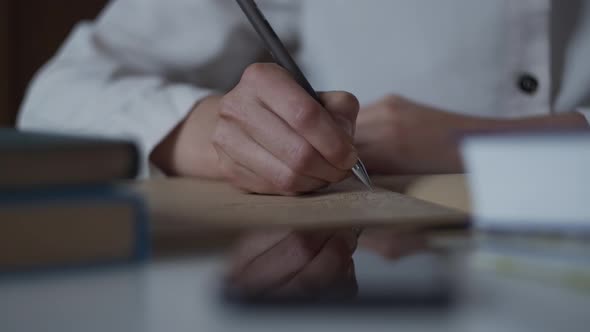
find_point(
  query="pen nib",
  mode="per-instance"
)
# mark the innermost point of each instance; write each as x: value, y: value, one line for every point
x: 361, y: 173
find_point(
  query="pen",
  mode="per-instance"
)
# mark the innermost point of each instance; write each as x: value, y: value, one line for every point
x: 281, y: 55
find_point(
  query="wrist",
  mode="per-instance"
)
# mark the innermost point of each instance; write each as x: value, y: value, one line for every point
x: 187, y: 150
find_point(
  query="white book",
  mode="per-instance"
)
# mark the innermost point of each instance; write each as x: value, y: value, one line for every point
x: 535, y: 181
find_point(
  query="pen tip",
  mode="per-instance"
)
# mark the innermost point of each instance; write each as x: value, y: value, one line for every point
x: 361, y: 173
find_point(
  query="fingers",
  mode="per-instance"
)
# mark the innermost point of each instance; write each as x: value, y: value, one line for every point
x: 343, y: 286
x: 294, y: 263
x: 275, y: 88
x: 271, y: 268
x: 378, y: 138
x: 330, y: 268
x: 254, y: 244
x: 249, y: 166
x: 275, y: 136
x: 343, y: 107
x: 241, y: 177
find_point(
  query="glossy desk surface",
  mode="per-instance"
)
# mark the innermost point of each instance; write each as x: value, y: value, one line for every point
x: 182, y: 294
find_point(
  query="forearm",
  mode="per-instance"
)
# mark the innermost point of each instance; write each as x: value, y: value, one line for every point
x: 399, y: 136
x: 187, y: 150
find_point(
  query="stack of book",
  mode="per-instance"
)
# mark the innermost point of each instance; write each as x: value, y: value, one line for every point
x: 531, y: 203
x: 60, y: 206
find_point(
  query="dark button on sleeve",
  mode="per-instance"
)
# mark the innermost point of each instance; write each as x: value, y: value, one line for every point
x: 528, y: 84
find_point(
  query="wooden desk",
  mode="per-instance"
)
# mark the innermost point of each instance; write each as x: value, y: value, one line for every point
x: 446, y: 190
x: 192, y: 213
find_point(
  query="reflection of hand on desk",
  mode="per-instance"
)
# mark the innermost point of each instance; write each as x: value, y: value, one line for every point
x: 283, y: 263
x: 308, y: 254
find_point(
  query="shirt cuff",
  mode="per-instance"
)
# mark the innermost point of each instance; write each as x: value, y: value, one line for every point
x: 182, y: 98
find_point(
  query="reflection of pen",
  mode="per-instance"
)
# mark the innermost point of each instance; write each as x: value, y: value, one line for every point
x: 284, y: 59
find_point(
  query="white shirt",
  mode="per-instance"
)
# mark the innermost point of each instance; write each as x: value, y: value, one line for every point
x: 143, y: 64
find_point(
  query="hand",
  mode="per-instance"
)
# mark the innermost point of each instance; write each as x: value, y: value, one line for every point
x: 266, y: 136
x: 396, y: 135
x: 273, y: 138
x: 286, y: 263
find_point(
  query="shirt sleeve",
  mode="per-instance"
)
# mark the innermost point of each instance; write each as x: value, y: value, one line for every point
x: 140, y: 68
x: 585, y: 111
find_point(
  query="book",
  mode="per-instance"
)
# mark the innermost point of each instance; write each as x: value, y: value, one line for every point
x: 30, y: 159
x: 189, y: 206
x: 82, y: 226
x: 530, y: 182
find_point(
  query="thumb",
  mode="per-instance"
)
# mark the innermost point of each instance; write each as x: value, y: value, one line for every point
x: 344, y: 108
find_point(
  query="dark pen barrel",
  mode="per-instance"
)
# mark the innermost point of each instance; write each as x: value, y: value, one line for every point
x: 284, y: 59
x: 274, y: 45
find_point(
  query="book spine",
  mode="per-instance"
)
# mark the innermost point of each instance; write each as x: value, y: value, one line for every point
x: 141, y: 238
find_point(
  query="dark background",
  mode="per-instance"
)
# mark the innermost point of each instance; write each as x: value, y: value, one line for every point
x: 30, y: 33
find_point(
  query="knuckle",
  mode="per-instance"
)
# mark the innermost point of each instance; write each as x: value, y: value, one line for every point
x: 307, y: 113
x: 230, y: 108
x: 286, y: 181
x: 255, y: 72
x: 260, y: 71
x: 348, y: 99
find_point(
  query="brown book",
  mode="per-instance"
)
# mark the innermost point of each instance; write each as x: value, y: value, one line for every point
x: 72, y: 227
x: 30, y: 159
x: 184, y: 206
